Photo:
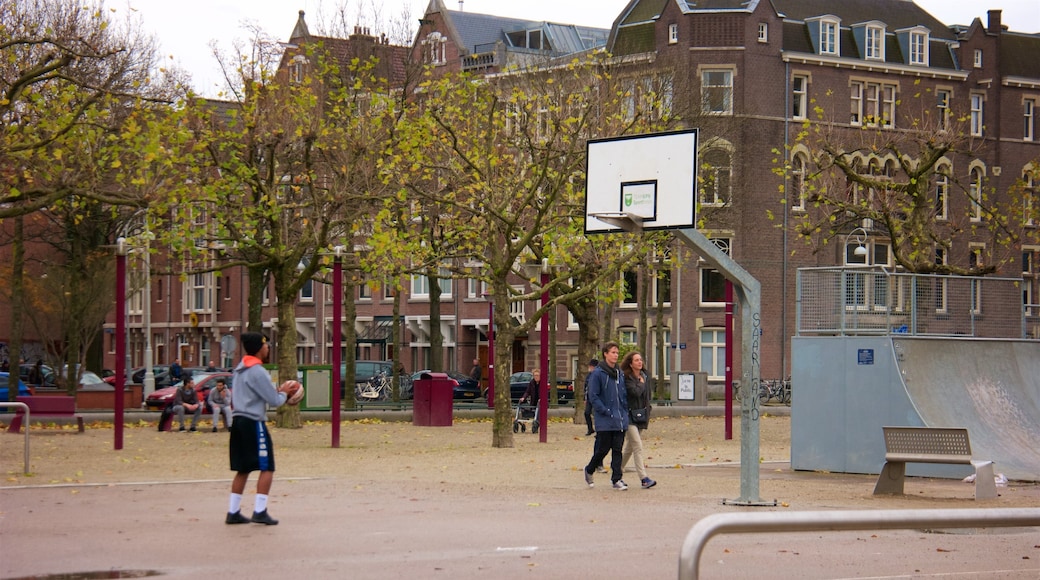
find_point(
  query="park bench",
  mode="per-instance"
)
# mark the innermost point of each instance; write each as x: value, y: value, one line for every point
x: 930, y: 445
x: 45, y: 406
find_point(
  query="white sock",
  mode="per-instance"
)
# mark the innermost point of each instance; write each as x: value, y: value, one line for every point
x: 261, y: 503
x: 235, y: 503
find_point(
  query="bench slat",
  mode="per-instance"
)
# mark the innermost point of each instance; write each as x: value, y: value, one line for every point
x: 930, y: 445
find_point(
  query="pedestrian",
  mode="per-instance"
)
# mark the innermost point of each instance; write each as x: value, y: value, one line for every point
x: 588, y: 408
x: 637, y: 393
x: 175, y: 370
x: 36, y: 374
x: 533, y: 392
x: 610, y: 411
x: 219, y: 400
x: 475, y: 372
x: 251, y: 448
x: 187, y: 400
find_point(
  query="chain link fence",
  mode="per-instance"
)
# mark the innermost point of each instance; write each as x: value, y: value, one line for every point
x: 868, y: 300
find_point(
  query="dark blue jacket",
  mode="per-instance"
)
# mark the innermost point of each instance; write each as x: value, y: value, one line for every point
x: 608, y: 399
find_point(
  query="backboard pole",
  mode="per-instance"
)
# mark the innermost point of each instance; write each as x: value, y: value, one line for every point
x: 749, y: 295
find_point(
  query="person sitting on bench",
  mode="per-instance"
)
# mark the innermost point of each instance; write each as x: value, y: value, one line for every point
x: 220, y: 404
x: 186, y: 399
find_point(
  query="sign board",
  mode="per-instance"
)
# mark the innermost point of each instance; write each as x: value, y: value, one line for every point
x: 686, y: 389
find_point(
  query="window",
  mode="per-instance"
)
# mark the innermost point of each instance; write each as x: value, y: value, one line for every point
x: 435, y: 48
x: 715, y: 177
x: 630, y: 279
x: 713, y: 283
x: 1030, y: 279
x: 875, y: 43
x: 661, y: 286
x: 713, y: 353
x: 975, y: 284
x: 975, y: 194
x: 866, y: 289
x: 828, y: 37
x: 475, y: 288
x: 798, y: 167
x: 307, y: 291
x: 799, y: 96
x: 673, y: 33
x: 942, y: 103
x: 763, y: 32
x: 198, y: 292
x: 873, y: 104
x: 364, y: 291
x: 627, y: 336
x: 1029, y: 119
x: 977, y: 99
x: 421, y: 286
x: 296, y: 69
x: 1029, y: 196
x: 942, y: 190
x: 717, y: 92
x: 978, y: 58
x: 940, y: 282
x: 919, y: 48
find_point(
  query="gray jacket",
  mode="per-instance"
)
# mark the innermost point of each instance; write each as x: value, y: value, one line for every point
x: 252, y: 391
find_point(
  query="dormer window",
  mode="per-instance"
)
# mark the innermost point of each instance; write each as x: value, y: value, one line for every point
x: 673, y: 33
x: 978, y: 58
x: 763, y: 32
x: 824, y: 31
x: 919, y: 48
x: 874, y: 44
x: 296, y: 69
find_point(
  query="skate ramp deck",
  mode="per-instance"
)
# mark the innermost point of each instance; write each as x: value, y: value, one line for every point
x: 847, y: 388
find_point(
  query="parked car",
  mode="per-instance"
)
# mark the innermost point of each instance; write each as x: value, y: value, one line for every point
x: 160, y: 372
x: 158, y: 400
x: 49, y: 378
x: 518, y: 385
x: 23, y: 390
x: 463, y: 387
x: 90, y: 381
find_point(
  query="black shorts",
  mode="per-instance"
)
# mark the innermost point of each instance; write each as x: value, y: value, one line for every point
x: 251, y: 447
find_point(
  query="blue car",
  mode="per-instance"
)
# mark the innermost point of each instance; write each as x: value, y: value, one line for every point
x: 22, y: 389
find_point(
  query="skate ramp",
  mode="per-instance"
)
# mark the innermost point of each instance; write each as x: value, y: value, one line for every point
x: 847, y: 388
x: 992, y: 388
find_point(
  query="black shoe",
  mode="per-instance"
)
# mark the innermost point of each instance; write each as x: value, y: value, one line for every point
x: 590, y: 433
x: 263, y: 518
x: 182, y: 428
x: 236, y: 518
x: 192, y: 429
x: 214, y: 430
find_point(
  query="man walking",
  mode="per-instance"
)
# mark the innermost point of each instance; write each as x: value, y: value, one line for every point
x: 251, y: 446
x: 610, y: 410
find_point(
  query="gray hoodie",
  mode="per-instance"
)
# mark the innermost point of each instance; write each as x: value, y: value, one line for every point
x: 252, y: 390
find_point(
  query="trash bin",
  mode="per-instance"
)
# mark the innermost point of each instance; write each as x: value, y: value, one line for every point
x: 432, y: 400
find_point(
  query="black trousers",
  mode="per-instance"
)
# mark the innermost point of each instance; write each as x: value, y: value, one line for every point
x: 588, y: 417
x: 607, y: 442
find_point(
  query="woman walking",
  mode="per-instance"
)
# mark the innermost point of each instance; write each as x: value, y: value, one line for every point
x: 638, y: 393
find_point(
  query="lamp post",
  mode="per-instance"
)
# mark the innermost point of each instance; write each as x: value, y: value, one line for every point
x: 491, y: 354
x: 121, y: 250
x: 149, y: 372
x: 543, y: 398
x: 861, y: 244
x: 337, y: 340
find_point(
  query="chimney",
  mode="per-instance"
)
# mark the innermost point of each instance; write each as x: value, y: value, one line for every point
x: 994, y: 22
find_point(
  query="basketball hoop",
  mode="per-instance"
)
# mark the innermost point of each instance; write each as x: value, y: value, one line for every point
x: 628, y: 222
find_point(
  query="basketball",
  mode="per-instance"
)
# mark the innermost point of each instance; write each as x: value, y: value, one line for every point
x: 294, y: 392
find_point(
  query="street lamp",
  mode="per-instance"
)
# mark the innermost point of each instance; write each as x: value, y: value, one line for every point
x: 337, y: 340
x: 861, y: 237
x: 121, y: 250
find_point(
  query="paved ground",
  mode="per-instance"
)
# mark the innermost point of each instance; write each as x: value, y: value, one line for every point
x: 401, y: 501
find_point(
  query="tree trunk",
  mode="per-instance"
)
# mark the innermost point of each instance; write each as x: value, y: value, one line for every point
x: 643, y: 320
x: 14, y: 347
x: 660, y: 342
x: 257, y: 283
x: 502, y: 425
x: 349, y: 335
x: 287, y: 416
x: 436, y: 338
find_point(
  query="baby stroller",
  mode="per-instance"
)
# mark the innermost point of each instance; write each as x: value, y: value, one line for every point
x: 526, y: 414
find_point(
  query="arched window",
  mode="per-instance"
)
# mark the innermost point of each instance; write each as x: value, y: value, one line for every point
x: 716, y: 171
x: 799, y: 163
x: 975, y: 194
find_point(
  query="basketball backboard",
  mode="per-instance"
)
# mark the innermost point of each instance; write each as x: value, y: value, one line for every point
x: 649, y: 180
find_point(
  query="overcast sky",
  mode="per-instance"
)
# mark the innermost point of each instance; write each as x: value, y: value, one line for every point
x: 185, y: 28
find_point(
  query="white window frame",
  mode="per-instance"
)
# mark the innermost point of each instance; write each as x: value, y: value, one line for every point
x: 715, y: 197
x: 800, y: 96
x: 420, y: 286
x: 709, y: 274
x: 628, y: 335
x: 307, y: 291
x: 942, y: 103
x: 867, y: 290
x: 977, y: 58
x: 629, y: 300
x: 829, y: 31
x: 763, y: 32
x: 1029, y: 196
x: 673, y: 33
x: 942, y: 191
x: 1028, y: 119
x: 978, y: 103
x: 919, y: 48
x: 975, y: 185
x: 975, y: 253
x: 1029, y: 278
x: 873, y: 104
x: 799, y: 170
x: 874, y: 43
x: 725, y: 91
x: 654, y: 283
x: 712, y: 342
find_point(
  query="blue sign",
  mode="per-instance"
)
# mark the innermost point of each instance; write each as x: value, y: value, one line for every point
x: 865, y: 356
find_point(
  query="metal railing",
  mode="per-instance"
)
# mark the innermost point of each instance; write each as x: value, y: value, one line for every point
x: 769, y: 522
x: 871, y: 300
x: 25, y: 427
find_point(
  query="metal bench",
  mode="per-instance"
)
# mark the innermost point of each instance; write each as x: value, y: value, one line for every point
x: 45, y: 406
x: 930, y: 445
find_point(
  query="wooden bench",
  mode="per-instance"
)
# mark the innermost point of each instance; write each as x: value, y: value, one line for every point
x: 930, y: 445
x: 45, y: 406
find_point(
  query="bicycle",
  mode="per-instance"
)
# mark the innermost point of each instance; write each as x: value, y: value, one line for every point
x: 378, y: 388
x: 775, y: 389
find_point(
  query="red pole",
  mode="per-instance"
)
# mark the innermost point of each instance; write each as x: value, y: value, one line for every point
x: 120, y: 383
x: 337, y: 344
x: 543, y: 399
x: 729, y: 360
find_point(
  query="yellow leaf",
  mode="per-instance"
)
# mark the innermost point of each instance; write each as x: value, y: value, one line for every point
x: 116, y: 164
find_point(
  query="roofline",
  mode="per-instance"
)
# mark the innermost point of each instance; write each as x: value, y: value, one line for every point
x: 868, y: 66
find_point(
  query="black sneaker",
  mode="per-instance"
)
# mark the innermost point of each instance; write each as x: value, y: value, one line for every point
x: 264, y: 518
x: 192, y: 429
x: 588, y: 479
x: 236, y: 518
x: 647, y: 483
x: 620, y: 485
x: 182, y: 428
x: 214, y: 430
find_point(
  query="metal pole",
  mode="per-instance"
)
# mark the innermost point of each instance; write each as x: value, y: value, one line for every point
x: 149, y: 359
x: 543, y: 400
x: 120, y: 339
x: 491, y: 355
x: 337, y: 342
x: 772, y: 522
x: 729, y: 360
